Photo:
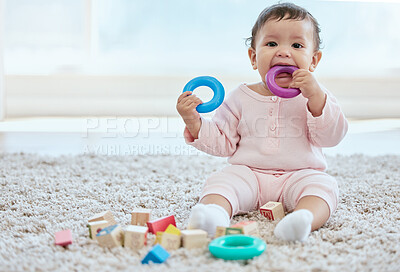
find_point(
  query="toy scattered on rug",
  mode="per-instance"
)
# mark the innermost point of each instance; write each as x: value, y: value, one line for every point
x: 157, y: 254
x: 63, y: 238
x: 273, y: 210
x: 104, y: 229
x: 240, y: 242
x: 236, y: 242
x: 237, y: 247
x: 246, y: 228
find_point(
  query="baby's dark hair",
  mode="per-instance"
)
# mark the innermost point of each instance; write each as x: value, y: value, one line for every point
x: 287, y: 11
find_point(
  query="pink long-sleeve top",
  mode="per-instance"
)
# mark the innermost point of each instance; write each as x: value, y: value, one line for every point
x: 269, y: 132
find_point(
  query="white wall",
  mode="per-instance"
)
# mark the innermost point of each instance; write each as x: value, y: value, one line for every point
x: 146, y: 95
x: 2, y: 92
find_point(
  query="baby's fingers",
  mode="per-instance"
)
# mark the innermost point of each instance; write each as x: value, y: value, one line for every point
x: 300, y: 72
x: 296, y: 83
x: 197, y: 101
x: 191, y: 99
x: 183, y: 95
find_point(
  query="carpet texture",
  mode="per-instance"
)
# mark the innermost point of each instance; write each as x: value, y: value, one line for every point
x: 42, y: 195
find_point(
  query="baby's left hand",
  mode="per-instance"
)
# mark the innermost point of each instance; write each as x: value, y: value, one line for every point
x: 306, y: 82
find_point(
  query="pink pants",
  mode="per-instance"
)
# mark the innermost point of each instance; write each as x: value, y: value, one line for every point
x: 247, y: 189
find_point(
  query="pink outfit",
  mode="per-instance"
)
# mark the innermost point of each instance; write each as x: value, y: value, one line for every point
x: 275, y: 148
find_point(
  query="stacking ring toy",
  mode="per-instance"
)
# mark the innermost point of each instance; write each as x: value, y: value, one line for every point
x: 274, y: 88
x: 214, y: 84
x: 237, y: 247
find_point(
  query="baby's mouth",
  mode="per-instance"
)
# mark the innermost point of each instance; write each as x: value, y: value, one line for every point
x: 284, y: 75
x: 283, y: 80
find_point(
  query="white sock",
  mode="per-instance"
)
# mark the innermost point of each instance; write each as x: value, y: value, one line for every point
x: 208, y: 217
x: 295, y: 226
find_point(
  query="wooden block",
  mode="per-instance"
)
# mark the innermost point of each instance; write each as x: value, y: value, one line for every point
x: 194, y: 238
x: 158, y: 237
x: 96, y: 226
x: 221, y: 231
x: 248, y: 228
x: 232, y: 231
x: 170, y: 241
x: 161, y: 224
x: 106, y: 215
x: 273, y: 210
x: 135, y: 237
x: 156, y: 255
x: 111, y: 236
x: 173, y: 230
x: 140, y: 217
x: 63, y: 238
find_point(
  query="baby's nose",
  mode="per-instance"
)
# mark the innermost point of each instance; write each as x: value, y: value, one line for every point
x: 283, y: 53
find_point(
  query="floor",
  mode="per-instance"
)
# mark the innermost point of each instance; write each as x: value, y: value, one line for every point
x: 154, y: 135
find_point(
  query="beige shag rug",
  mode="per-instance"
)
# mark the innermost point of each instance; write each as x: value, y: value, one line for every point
x: 41, y: 195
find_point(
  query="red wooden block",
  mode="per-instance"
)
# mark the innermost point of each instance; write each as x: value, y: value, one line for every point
x: 161, y: 224
x: 63, y: 238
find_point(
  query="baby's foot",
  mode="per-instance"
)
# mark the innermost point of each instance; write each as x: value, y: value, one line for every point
x: 208, y: 217
x: 295, y: 226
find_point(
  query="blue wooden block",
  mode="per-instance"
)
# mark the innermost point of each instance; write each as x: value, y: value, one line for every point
x: 157, y: 254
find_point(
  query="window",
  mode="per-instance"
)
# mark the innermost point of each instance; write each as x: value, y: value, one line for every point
x: 88, y: 57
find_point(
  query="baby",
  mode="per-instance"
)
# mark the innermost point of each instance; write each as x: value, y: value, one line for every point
x: 274, y: 144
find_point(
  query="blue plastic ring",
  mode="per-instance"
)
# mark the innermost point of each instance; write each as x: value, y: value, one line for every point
x: 237, y: 247
x: 214, y: 84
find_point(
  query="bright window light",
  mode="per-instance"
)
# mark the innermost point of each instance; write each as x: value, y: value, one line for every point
x: 179, y: 37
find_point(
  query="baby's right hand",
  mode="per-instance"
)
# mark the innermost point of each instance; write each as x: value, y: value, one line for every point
x: 186, y: 106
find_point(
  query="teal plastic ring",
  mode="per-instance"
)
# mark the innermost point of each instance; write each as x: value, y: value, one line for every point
x: 237, y: 247
x: 214, y: 84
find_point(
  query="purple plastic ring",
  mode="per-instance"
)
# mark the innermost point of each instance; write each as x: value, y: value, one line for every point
x: 274, y: 88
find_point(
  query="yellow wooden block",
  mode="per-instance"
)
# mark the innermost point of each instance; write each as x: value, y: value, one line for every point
x: 106, y: 215
x: 248, y: 228
x: 170, y: 241
x: 111, y: 236
x: 135, y: 237
x: 140, y: 217
x: 194, y: 238
x: 96, y: 226
x: 273, y: 210
x: 173, y: 230
x: 158, y: 237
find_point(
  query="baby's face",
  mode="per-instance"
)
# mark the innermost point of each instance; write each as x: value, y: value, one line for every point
x: 284, y: 42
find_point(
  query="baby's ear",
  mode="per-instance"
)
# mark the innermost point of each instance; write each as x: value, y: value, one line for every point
x: 315, y: 60
x: 252, y: 56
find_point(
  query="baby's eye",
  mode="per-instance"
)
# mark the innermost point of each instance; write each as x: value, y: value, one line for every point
x: 297, y: 45
x: 272, y: 44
